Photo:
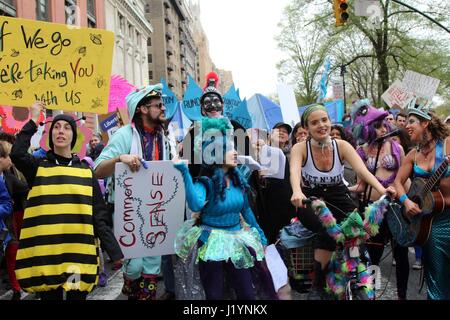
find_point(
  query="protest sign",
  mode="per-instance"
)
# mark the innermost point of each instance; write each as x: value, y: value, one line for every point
x: 397, y: 95
x: 149, y: 208
x: 191, y: 100
x: 68, y: 68
x: 420, y: 85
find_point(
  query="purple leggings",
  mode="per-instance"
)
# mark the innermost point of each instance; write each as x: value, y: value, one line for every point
x: 212, y: 277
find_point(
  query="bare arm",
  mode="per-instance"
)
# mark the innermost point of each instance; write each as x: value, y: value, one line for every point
x: 297, y: 155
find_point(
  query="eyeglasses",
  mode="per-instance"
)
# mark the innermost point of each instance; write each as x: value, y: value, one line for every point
x: 212, y: 104
x: 157, y: 105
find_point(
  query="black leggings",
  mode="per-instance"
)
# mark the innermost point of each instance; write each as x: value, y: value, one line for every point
x: 375, y: 247
x: 338, y: 200
x: 58, y: 294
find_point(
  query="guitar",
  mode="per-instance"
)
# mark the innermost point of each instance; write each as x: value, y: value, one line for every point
x: 410, y: 230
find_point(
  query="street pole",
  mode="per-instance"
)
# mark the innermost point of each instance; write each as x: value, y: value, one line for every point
x: 343, y: 86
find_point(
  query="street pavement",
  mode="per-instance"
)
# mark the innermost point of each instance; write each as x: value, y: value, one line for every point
x: 387, y: 289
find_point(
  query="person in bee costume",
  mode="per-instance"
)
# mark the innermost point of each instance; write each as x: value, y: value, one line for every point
x: 65, y: 210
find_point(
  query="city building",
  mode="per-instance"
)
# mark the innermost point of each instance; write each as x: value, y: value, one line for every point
x: 84, y: 13
x: 126, y: 18
x: 172, y: 54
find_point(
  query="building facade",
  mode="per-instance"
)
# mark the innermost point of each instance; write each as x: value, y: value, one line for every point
x: 204, y: 61
x: 172, y: 50
x: 84, y: 13
x: 126, y: 18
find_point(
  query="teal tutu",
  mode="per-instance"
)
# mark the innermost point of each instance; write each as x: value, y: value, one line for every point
x: 222, y: 245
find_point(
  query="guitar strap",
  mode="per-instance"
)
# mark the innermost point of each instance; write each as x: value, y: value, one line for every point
x: 440, y: 157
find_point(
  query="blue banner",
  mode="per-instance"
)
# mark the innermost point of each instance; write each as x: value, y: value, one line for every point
x: 231, y: 101
x: 322, y: 88
x: 170, y: 100
x: 179, y: 123
x: 242, y: 116
x: 335, y: 110
x: 191, y: 100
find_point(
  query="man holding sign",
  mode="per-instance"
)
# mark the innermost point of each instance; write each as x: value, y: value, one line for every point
x: 144, y: 139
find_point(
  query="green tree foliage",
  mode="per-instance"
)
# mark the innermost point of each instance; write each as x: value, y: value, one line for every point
x: 376, y: 53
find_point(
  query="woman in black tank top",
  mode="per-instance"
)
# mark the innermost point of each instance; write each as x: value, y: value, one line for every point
x: 317, y: 121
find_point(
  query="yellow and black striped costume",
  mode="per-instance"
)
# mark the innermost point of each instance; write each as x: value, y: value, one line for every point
x: 57, y: 247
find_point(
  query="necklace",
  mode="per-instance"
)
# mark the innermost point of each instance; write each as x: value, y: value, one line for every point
x: 426, y: 149
x: 323, y: 144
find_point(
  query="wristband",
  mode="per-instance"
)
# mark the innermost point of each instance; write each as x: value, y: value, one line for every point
x: 403, y: 198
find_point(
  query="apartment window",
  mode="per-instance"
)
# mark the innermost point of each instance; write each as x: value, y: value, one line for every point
x: 150, y: 75
x: 150, y: 58
x: 130, y: 31
x: 71, y: 9
x: 147, y: 8
x: 42, y: 10
x: 121, y: 24
x: 7, y: 8
x: 91, y: 16
x: 138, y: 39
x: 149, y: 42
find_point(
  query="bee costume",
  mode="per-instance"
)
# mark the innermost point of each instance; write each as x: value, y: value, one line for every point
x: 64, y: 210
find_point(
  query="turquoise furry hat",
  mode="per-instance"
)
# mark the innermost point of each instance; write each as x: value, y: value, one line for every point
x: 136, y: 96
x: 214, y: 137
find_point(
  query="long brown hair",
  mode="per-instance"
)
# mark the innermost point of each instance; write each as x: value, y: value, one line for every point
x: 437, y: 128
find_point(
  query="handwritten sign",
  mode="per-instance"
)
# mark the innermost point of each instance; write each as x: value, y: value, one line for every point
x: 397, y: 95
x: 420, y: 84
x: 149, y: 208
x: 231, y: 101
x: 68, y: 68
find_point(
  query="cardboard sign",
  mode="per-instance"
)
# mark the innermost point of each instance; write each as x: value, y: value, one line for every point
x: 149, y: 208
x: 420, y: 84
x: 68, y: 68
x: 397, y: 95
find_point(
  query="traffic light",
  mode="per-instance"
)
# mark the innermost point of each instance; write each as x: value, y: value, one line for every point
x: 340, y: 11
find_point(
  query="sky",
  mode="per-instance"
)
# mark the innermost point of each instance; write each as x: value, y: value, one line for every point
x: 241, y: 39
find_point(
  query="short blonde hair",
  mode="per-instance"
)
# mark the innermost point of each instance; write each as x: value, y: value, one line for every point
x: 5, y: 149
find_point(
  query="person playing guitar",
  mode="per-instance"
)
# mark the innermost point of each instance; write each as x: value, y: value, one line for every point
x: 428, y: 165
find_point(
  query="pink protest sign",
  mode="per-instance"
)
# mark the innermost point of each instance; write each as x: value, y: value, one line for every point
x: 119, y: 88
x: 14, y: 118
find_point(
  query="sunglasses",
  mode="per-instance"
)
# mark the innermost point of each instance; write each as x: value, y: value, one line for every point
x: 157, y: 105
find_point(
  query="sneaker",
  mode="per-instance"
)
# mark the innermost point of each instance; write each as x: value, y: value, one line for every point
x: 417, y: 265
x: 102, y: 280
x: 394, y: 263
